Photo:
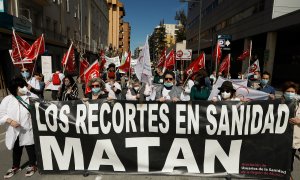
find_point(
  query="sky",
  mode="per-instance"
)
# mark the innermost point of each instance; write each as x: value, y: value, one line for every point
x: 144, y: 15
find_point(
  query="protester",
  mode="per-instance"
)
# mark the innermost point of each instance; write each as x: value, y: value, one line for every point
x: 200, y: 91
x: 290, y: 90
x: 159, y: 76
x: 15, y: 114
x: 34, y: 85
x: 255, y: 80
x: 98, y: 90
x: 138, y: 91
x: 111, y: 72
x: 226, y: 93
x: 168, y: 91
x: 69, y: 90
x: 203, y: 73
x: 113, y: 88
x: 264, y: 85
x: 57, y: 81
x: 186, y: 87
x: 213, y: 77
x: 42, y: 85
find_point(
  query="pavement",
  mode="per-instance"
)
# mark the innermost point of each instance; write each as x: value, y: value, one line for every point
x: 6, y: 160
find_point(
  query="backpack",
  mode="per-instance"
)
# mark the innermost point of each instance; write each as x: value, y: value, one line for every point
x: 56, y: 79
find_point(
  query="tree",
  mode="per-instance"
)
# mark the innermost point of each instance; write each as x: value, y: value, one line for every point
x: 182, y: 21
x: 157, y: 41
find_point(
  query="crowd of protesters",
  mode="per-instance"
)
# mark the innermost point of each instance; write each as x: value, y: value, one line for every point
x: 112, y: 85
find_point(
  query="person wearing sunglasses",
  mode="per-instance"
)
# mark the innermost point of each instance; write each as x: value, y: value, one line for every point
x: 227, y: 92
x: 69, y: 89
x: 15, y: 115
x: 168, y: 91
x: 114, y: 88
x: 98, y: 90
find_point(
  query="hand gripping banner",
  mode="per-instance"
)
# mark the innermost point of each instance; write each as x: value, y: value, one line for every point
x: 199, y: 138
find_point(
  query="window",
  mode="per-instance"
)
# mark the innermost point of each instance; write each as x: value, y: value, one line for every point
x: 54, y: 27
x: 48, y: 21
x: 68, y: 6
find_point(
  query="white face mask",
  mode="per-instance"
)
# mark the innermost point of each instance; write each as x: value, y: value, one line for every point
x: 225, y: 95
x: 136, y: 88
x: 23, y: 90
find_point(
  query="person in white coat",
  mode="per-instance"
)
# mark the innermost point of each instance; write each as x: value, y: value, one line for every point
x: 14, y: 113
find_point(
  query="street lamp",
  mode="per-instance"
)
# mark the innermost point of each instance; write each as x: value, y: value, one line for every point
x: 200, y: 17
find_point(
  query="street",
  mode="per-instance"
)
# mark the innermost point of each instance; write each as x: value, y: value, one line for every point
x: 6, y: 158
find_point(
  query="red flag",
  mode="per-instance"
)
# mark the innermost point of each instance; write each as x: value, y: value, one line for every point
x: 217, y: 53
x: 126, y: 66
x: 103, y: 61
x: 246, y: 53
x: 19, y: 47
x: 84, y: 64
x: 162, y: 58
x: 225, y: 65
x: 68, y: 61
x: 196, y: 65
x: 90, y: 73
x: 36, y: 49
x: 170, y: 61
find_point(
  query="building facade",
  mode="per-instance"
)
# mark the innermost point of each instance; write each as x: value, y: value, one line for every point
x: 271, y: 26
x: 126, y: 39
x: 116, y: 14
x: 83, y: 22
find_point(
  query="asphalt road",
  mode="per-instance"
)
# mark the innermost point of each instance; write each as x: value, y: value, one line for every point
x: 5, y: 163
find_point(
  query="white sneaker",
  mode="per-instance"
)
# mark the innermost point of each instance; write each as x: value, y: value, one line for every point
x: 30, y: 170
x: 11, y: 172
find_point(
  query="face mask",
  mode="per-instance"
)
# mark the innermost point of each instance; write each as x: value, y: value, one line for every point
x: 96, y: 90
x: 289, y: 95
x: 25, y: 74
x: 264, y: 82
x: 225, y: 95
x: 23, y: 90
x: 136, y: 88
x: 168, y: 84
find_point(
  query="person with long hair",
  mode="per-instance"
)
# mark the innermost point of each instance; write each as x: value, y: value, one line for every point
x: 200, y: 91
x: 15, y: 115
x: 69, y: 89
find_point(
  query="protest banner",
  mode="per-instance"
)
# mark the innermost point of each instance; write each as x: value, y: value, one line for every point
x: 252, y: 139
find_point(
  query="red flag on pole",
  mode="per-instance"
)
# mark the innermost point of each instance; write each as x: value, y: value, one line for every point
x: 126, y: 66
x: 162, y: 58
x: 90, y: 73
x: 244, y: 55
x: 84, y: 64
x: 196, y: 65
x: 68, y: 61
x: 170, y: 61
x: 217, y: 53
x: 36, y: 49
x: 102, y: 60
x: 225, y: 65
x: 19, y: 47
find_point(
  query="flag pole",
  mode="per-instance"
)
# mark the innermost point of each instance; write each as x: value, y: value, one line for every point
x: 14, y: 34
x: 217, y: 54
x: 36, y: 55
x: 67, y: 57
x: 250, y: 55
x: 228, y: 65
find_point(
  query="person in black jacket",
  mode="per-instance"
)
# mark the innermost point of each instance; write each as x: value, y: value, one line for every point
x: 69, y: 90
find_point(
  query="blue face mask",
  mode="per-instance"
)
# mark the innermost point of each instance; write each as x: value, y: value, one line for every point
x: 170, y: 84
x: 289, y: 95
x: 96, y: 90
x: 264, y: 82
x: 25, y: 74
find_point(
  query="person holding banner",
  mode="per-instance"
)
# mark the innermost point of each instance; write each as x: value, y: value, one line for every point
x: 138, y: 91
x: 290, y: 90
x: 111, y: 72
x: 227, y: 93
x: 69, y: 90
x: 264, y: 85
x: 187, y: 87
x: 200, y: 91
x: 159, y: 76
x: 15, y: 114
x: 97, y: 86
x: 168, y: 91
x: 113, y: 87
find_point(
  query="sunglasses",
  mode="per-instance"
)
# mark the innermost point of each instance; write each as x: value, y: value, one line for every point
x: 228, y: 91
x: 96, y: 85
x: 25, y: 71
x: 169, y: 79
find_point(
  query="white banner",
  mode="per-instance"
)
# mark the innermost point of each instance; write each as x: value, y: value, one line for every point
x: 114, y: 60
x: 242, y: 91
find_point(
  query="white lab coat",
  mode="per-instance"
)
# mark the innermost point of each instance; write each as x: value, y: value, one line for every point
x: 111, y: 93
x: 185, y: 95
x: 11, y: 108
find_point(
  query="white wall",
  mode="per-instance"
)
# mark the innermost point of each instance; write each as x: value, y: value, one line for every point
x: 282, y: 7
